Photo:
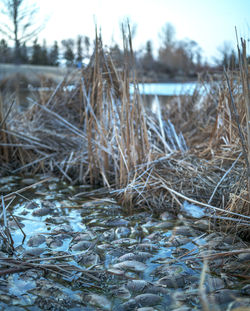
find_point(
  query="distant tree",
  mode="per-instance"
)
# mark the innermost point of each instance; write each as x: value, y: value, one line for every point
x: 36, y: 58
x: 227, y: 58
x: 167, y: 51
x: 181, y: 57
x: 233, y: 60
x: 44, y: 54
x: 116, y: 55
x: 69, y: 55
x: 54, y: 55
x: 167, y: 36
x: 79, y: 52
x: 147, y: 59
x: 87, y: 46
x: 5, y: 52
x: 18, y: 23
x: 24, y: 54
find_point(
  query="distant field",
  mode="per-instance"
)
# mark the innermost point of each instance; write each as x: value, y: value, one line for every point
x: 32, y: 72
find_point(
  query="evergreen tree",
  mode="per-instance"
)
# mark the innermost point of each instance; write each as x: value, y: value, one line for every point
x: 5, y: 52
x: 36, y: 57
x: 68, y: 53
x: 23, y: 54
x: 44, y: 54
x: 87, y: 46
x: 148, y: 60
x: 54, y: 55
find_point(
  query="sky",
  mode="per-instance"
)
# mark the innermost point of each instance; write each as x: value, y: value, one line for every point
x: 208, y: 22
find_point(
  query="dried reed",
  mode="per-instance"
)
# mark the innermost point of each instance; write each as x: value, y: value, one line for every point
x: 97, y: 132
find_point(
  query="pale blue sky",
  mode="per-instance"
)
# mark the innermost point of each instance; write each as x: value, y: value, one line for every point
x: 208, y: 22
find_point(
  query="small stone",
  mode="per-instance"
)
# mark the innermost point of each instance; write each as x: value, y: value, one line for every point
x: 173, y: 281
x: 13, y: 225
x: 131, y: 265
x: 36, y: 240
x: 137, y: 286
x: 99, y: 301
x: 202, y: 224
x: 139, y: 256
x: 88, y: 259
x: 167, y: 216
x: 43, y: 211
x: 81, y: 246
x: 31, y: 205
x: 54, y: 242
x: 121, y: 292
x: 122, y: 232
x: 125, y: 242
x: 147, y: 300
x: 244, y: 257
x: 119, y: 222
x: 223, y: 296
x: 65, y: 228
x: 127, y: 306
x: 28, y: 181
x: 146, y: 247
x: 183, y: 308
x: 36, y: 251
x: 183, y: 230
x: 246, y: 290
x: 213, y: 283
x: 164, y: 225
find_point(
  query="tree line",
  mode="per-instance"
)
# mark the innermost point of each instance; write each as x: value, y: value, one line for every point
x: 174, y: 57
x: 71, y: 51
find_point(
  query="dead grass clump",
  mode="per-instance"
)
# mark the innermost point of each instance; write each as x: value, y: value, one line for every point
x: 91, y: 129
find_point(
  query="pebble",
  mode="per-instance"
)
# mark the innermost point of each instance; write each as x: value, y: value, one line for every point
x: 119, y: 222
x: 148, y: 300
x: 246, y: 290
x: 122, y: 232
x: 81, y: 246
x: 88, y: 259
x: 54, y: 242
x: 99, y: 301
x: 36, y: 251
x: 31, y: 205
x: 28, y: 181
x: 36, y: 240
x: 132, y: 264
x: 244, y: 257
x: 213, y: 283
x: 224, y: 296
x: 43, y: 211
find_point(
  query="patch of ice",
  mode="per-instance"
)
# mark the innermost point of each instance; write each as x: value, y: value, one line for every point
x: 192, y: 210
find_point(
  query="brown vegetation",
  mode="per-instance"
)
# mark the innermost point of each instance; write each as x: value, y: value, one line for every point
x: 99, y: 133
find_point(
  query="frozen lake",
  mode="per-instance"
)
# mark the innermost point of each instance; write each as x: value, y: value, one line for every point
x: 166, y: 89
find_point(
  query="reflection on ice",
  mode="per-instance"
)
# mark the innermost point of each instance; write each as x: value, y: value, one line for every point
x: 171, y: 140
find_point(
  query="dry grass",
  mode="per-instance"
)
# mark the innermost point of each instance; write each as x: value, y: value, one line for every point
x: 99, y: 133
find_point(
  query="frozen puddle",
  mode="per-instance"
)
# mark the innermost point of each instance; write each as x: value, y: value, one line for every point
x: 80, y: 255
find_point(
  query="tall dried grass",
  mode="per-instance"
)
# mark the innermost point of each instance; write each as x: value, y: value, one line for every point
x: 98, y: 132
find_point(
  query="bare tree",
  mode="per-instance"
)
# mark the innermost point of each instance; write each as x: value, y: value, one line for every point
x: 167, y: 35
x: 18, y: 22
x: 227, y: 56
